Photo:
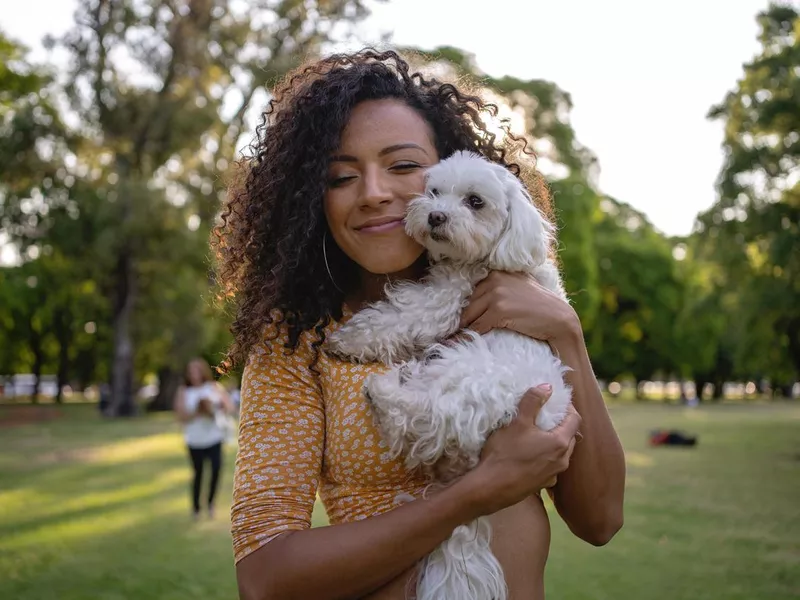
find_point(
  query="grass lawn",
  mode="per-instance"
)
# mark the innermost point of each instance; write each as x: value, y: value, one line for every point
x: 91, y: 509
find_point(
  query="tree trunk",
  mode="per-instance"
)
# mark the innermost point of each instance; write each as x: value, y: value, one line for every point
x: 169, y: 380
x: 62, y: 330
x: 122, y: 400
x: 38, y: 360
x: 718, y: 385
x: 699, y: 384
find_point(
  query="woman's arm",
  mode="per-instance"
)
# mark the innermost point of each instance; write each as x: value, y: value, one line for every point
x: 589, y: 494
x: 354, y: 559
x: 182, y: 414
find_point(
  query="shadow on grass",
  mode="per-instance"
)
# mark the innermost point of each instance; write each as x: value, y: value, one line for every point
x: 160, y: 556
x: 98, y: 508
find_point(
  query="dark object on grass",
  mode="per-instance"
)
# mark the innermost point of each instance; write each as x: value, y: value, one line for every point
x: 671, y: 437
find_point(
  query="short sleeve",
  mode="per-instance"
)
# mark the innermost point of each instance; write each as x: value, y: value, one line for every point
x: 281, y: 439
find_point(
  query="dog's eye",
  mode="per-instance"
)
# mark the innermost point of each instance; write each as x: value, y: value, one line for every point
x: 475, y: 202
x: 434, y: 192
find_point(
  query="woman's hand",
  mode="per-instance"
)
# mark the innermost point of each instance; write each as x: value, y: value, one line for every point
x: 517, y: 302
x: 521, y: 459
x: 204, y: 408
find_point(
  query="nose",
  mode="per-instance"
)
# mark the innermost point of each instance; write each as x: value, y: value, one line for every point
x: 375, y: 191
x: 436, y: 218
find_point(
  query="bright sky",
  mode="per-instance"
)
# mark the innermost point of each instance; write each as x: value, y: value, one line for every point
x: 642, y: 76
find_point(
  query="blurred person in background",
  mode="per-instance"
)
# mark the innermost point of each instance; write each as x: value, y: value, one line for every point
x: 204, y: 407
x: 311, y: 232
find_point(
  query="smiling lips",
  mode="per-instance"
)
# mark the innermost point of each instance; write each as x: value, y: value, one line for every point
x: 380, y: 225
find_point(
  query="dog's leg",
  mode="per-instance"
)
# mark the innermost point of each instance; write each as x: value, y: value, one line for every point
x: 412, y: 317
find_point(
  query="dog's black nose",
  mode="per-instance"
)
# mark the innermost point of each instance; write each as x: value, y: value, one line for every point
x: 436, y: 218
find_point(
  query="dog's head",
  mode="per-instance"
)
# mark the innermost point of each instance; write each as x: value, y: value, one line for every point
x: 474, y: 210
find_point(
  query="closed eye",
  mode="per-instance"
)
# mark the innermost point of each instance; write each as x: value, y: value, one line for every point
x: 404, y: 167
x: 340, y: 181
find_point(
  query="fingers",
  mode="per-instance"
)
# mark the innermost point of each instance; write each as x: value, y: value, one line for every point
x: 532, y: 401
x: 570, y: 448
x: 568, y: 428
x: 476, y: 307
x: 482, y: 324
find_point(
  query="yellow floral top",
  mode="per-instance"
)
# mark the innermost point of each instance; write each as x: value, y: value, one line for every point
x: 301, y: 433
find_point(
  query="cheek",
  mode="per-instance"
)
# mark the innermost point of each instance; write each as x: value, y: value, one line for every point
x: 416, y: 183
x: 336, y: 208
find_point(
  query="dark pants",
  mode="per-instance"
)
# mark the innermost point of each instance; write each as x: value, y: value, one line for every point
x: 199, y: 456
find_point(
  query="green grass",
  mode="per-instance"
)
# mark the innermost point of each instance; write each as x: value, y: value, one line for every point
x: 716, y: 522
x: 93, y: 509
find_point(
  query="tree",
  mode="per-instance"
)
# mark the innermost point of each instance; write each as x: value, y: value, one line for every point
x: 641, y: 294
x: 753, y: 230
x: 35, y: 189
x: 162, y: 90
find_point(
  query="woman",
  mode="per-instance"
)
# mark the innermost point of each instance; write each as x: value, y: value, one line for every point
x: 312, y: 233
x: 203, y: 406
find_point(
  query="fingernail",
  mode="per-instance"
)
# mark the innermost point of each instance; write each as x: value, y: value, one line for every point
x: 545, y: 387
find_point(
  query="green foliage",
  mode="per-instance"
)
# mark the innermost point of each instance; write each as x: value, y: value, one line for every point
x: 753, y: 231
x: 17, y: 80
x: 641, y: 294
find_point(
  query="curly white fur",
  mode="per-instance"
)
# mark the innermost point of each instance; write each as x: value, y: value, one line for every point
x: 440, y: 402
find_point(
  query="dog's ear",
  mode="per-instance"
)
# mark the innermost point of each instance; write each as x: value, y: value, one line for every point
x: 527, y: 235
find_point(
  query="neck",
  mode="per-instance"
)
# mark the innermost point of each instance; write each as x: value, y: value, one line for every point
x: 372, y: 285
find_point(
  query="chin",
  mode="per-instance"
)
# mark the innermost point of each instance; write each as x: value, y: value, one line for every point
x: 395, y: 266
x: 389, y: 259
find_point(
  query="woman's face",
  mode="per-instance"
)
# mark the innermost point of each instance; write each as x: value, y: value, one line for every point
x: 378, y: 168
x: 194, y: 373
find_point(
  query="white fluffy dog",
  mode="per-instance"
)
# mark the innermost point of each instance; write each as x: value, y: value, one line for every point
x: 440, y: 402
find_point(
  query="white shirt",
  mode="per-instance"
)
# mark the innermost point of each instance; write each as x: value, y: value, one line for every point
x: 203, y: 431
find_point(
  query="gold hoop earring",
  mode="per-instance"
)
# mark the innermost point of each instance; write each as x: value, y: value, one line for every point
x: 325, y: 258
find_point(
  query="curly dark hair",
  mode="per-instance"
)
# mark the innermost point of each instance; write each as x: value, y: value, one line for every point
x: 269, y: 245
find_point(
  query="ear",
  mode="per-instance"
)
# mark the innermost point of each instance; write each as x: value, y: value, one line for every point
x: 527, y: 236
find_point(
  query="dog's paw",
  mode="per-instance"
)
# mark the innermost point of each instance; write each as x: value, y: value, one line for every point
x: 378, y: 389
x: 350, y: 343
x: 336, y: 344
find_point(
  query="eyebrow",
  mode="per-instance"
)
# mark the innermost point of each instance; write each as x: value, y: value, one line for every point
x: 384, y: 152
